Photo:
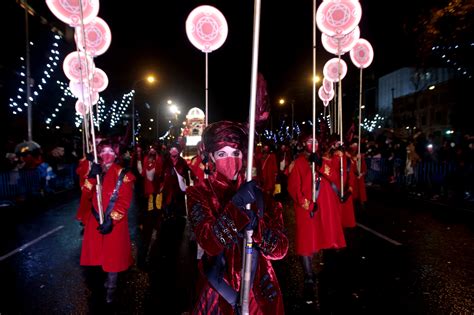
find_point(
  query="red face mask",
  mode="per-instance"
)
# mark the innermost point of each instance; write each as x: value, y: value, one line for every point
x: 309, y: 146
x: 229, y: 166
x: 107, y: 155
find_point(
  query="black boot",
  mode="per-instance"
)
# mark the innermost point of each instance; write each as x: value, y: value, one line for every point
x: 110, y: 285
x: 309, y: 279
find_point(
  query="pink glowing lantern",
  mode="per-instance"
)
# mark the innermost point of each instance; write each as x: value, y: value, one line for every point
x: 340, y: 45
x: 78, y: 66
x: 327, y: 85
x: 338, y: 17
x: 100, y: 81
x: 81, y: 108
x: 98, y: 37
x: 324, y: 96
x: 206, y: 28
x: 331, y: 69
x: 91, y: 99
x: 325, y: 103
x: 69, y: 11
x: 78, y: 88
x: 362, y: 54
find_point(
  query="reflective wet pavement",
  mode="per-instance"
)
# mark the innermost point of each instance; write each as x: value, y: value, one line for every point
x: 429, y: 273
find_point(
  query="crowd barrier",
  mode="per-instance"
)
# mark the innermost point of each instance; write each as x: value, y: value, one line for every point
x: 22, y: 184
x: 383, y: 171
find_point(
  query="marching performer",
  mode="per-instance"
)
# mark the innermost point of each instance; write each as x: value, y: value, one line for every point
x: 318, y: 225
x: 219, y: 217
x: 359, y: 194
x: 108, y: 244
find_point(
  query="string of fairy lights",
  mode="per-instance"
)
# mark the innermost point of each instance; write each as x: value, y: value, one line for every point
x: 19, y: 103
x: 449, y: 55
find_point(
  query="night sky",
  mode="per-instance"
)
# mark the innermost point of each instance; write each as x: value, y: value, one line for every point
x: 146, y: 39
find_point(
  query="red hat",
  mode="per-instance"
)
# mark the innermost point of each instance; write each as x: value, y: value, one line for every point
x: 225, y: 133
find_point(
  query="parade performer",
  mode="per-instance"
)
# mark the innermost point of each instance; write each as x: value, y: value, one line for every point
x: 350, y: 173
x: 318, y: 225
x: 269, y: 169
x: 175, y: 181
x: 218, y: 218
x: 152, y: 187
x: 108, y: 244
x: 197, y: 165
x: 359, y: 193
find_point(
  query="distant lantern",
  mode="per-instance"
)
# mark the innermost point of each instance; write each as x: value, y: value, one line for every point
x: 362, y: 54
x: 206, y: 28
x: 325, y: 103
x: 100, y: 81
x: 78, y: 66
x: 92, y: 99
x: 324, y: 96
x: 340, y: 45
x: 331, y: 69
x: 338, y: 17
x: 327, y: 85
x: 78, y: 88
x: 98, y: 37
x: 81, y: 108
x: 70, y: 11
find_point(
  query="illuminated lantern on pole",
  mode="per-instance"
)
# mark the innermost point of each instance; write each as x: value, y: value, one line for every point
x: 100, y: 81
x: 362, y: 55
x: 338, y: 17
x: 206, y: 28
x: 81, y: 108
x: 327, y: 85
x: 340, y: 45
x: 331, y: 69
x: 324, y: 96
x: 78, y: 66
x: 98, y: 37
x: 69, y: 11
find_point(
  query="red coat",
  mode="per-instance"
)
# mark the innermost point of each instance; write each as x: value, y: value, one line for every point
x: 324, y: 230
x: 84, y: 210
x: 347, y: 207
x: 111, y: 251
x: 152, y: 174
x: 269, y: 172
x: 209, y: 201
x: 360, y: 193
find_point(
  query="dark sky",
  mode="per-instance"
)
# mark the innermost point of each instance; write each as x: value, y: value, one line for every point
x: 148, y: 39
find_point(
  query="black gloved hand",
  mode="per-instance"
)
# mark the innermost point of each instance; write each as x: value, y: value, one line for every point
x: 90, y: 157
x: 246, y: 194
x: 314, y: 158
x: 96, y: 169
x: 313, y: 211
x: 106, y: 226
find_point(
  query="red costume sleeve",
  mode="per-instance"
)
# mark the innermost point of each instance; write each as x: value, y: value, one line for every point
x: 205, y: 217
x: 270, y: 236
x: 297, y: 182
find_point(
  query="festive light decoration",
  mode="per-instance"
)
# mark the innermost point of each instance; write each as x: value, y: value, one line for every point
x: 371, y: 125
x: 340, y: 45
x: 206, y: 28
x: 331, y: 69
x: 338, y: 17
x: 69, y: 11
x: 98, y: 37
x: 362, y: 54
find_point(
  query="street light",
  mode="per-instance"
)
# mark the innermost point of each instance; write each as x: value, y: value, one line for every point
x: 150, y: 79
x: 282, y: 102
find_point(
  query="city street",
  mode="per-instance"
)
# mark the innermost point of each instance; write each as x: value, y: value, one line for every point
x: 405, y: 256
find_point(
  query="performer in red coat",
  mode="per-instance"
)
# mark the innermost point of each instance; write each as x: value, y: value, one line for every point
x: 84, y: 209
x: 349, y: 178
x: 317, y: 226
x: 359, y: 193
x: 218, y: 217
x: 108, y: 244
x: 175, y: 181
x: 269, y: 170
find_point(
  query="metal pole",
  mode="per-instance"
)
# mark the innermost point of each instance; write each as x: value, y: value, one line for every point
x: 207, y: 88
x: 313, y: 165
x: 339, y: 91
x: 292, y: 118
x: 360, y: 122
x: 133, y: 118
x: 248, y: 242
x: 28, y: 76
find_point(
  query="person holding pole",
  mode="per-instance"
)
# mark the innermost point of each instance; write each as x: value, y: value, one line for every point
x: 219, y: 218
x: 108, y: 244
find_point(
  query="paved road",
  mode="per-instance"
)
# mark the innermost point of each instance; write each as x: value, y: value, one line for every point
x: 405, y: 256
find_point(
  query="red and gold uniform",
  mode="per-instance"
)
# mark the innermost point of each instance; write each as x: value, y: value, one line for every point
x: 349, y: 177
x: 84, y: 210
x: 359, y: 191
x: 211, y: 206
x: 111, y: 251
